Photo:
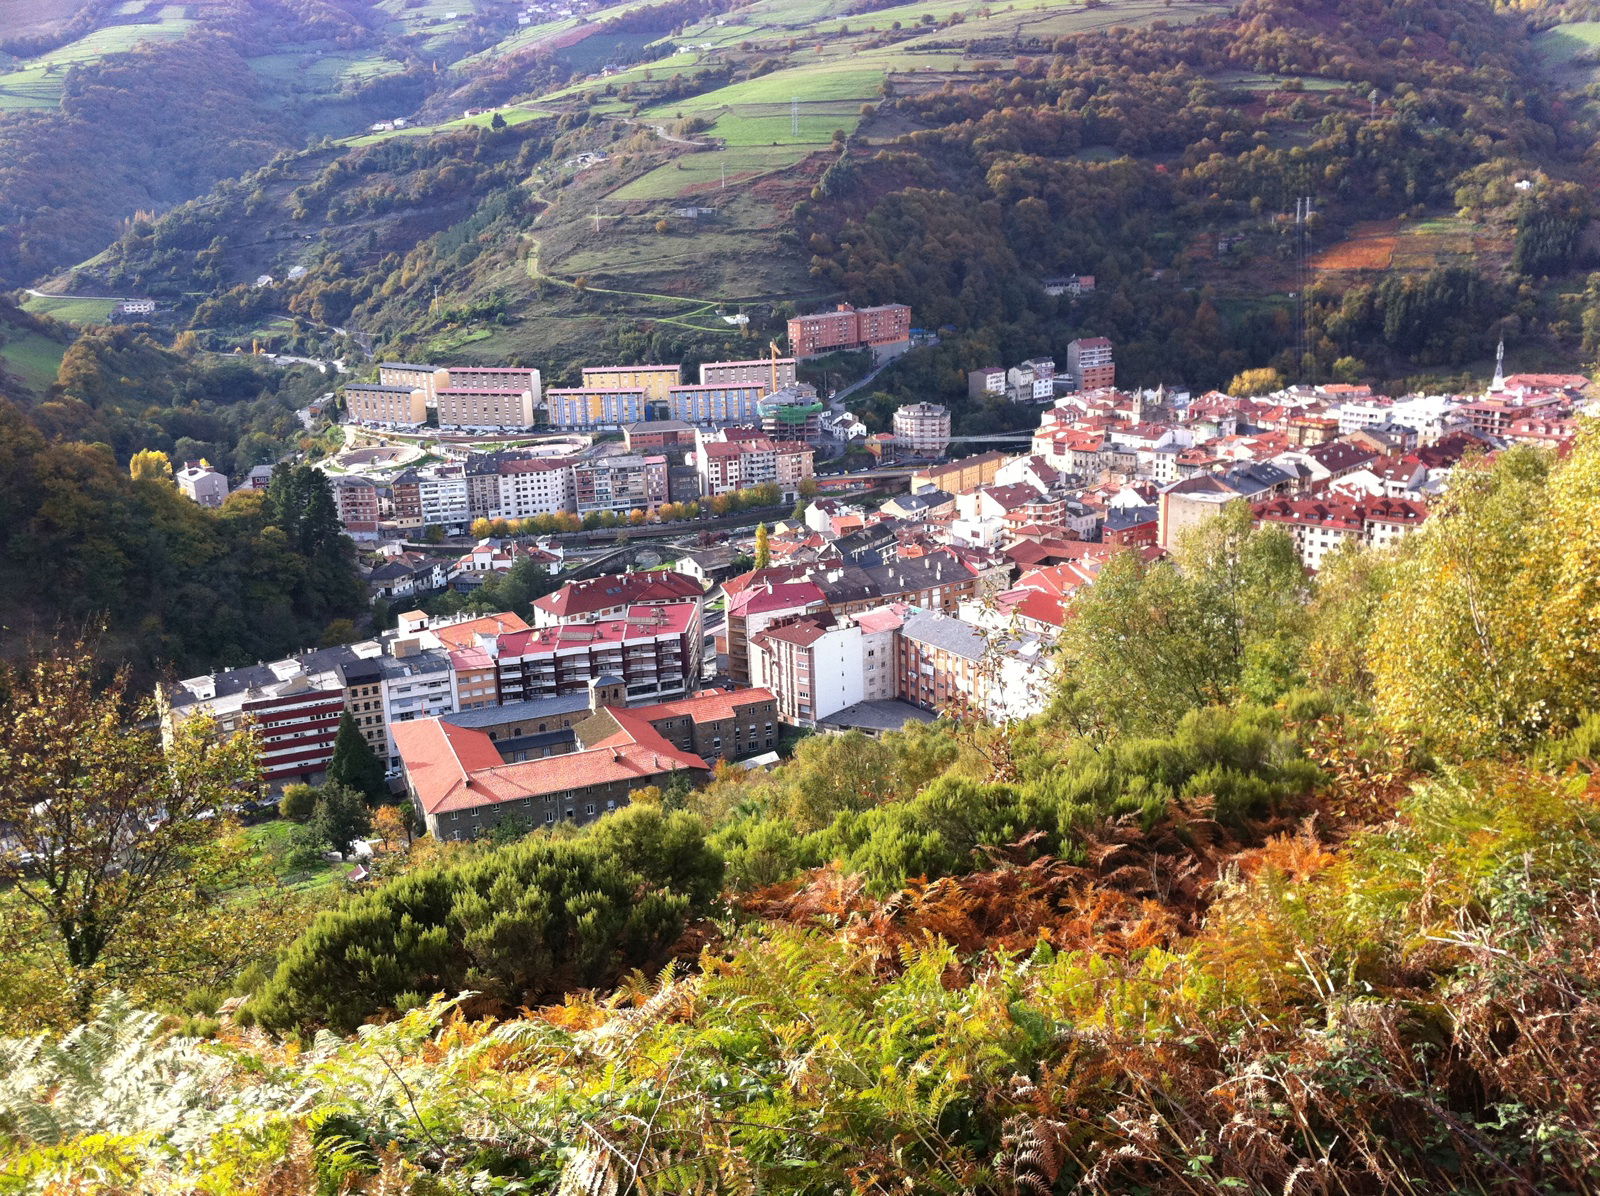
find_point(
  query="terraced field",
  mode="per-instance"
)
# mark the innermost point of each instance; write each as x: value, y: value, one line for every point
x: 70, y: 311
x: 37, y: 82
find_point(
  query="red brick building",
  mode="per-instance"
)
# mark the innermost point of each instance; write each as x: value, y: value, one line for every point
x: 1090, y: 363
x: 848, y: 327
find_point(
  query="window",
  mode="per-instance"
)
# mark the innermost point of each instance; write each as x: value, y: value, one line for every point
x: 455, y: 815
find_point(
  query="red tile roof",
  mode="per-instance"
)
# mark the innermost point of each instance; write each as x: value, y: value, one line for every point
x: 637, y: 622
x: 764, y: 598
x: 459, y: 768
x: 578, y: 598
x: 465, y: 635
x: 709, y: 705
x: 801, y: 633
x: 884, y: 618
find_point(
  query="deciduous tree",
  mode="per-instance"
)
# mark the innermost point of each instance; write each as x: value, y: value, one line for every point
x: 107, y: 832
x: 150, y: 464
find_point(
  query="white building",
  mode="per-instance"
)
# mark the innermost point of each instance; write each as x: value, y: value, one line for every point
x: 1430, y: 416
x: 539, y: 486
x: 202, y: 484
x: 445, y: 500
x: 922, y: 429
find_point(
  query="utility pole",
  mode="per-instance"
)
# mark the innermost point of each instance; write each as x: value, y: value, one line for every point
x: 1302, y: 252
x: 794, y: 115
x: 596, y: 217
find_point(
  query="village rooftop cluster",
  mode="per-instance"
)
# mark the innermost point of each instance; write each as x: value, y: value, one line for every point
x: 945, y: 600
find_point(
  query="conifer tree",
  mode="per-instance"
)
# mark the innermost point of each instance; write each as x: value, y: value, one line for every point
x: 763, y: 549
x: 354, y: 763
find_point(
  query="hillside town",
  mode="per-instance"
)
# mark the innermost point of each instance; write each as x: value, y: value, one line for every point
x: 933, y: 590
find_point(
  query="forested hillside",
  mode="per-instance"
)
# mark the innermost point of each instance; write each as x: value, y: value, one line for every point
x: 176, y: 586
x: 939, y: 163
x: 1309, y: 910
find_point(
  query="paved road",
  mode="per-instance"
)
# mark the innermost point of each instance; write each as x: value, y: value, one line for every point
x: 55, y: 295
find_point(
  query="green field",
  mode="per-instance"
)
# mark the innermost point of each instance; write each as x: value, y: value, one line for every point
x: 37, y: 82
x: 429, y: 19
x: 514, y: 116
x: 1251, y: 81
x: 702, y: 170
x: 909, y: 15
x: 1562, y: 43
x: 70, y: 311
x: 841, y: 80
x: 326, y: 72
x: 33, y: 358
x: 274, y: 839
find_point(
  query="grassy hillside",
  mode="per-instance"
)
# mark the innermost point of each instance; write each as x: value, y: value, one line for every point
x: 30, y: 353
x: 827, y: 143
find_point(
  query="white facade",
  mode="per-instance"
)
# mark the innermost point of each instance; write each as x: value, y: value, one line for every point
x: 1429, y: 416
x: 543, y: 491
x: 444, y: 500
x: 922, y: 429
x: 202, y: 485
x: 415, y: 689
x: 814, y: 680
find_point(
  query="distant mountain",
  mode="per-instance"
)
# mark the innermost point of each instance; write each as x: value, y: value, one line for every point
x: 666, y: 166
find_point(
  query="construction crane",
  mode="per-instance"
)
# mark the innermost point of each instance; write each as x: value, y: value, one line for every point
x: 773, y: 345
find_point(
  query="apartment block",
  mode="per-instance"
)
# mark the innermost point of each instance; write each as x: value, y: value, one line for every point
x: 594, y: 407
x: 815, y: 666
x: 426, y: 378
x: 607, y: 597
x: 718, y: 403
x: 443, y: 499
x: 794, y: 413
x: 768, y: 374
x: 922, y: 429
x: 385, y: 406
x: 534, y: 486
x: 619, y: 484
x: 1321, y: 525
x: 736, y: 464
x: 657, y: 434
x: 655, y: 380
x: 363, y: 697
x: 500, y: 409
x: 356, y: 500
x: 884, y: 329
x: 406, y: 489
x: 496, y: 377
x: 988, y: 382
x: 293, y: 706
x: 654, y: 649
x: 1090, y: 364
x: 942, y: 664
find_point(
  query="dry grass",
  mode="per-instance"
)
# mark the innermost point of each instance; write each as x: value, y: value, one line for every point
x: 1370, y: 246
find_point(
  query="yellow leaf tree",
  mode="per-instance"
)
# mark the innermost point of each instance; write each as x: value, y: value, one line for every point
x: 1255, y: 382
x: 1486, y: 639
x: 150, y: 464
